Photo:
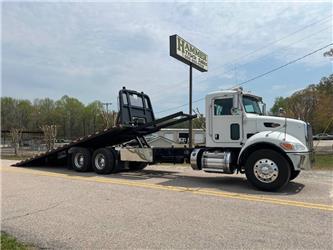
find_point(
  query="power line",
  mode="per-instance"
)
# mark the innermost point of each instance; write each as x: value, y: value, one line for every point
x: 258, y: 76
x: 261, y: 48
x: 282, y: 66
x: 289, y: 45
x: 255, y: 51
x: 242, y: 65
x: 282, y: 38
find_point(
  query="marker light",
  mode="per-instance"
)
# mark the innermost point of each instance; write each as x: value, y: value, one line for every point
x: 292, y: 146
x: 287, y: 145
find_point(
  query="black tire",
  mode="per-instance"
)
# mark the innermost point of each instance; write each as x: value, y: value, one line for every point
x: 81, y: 160
x: 294, y: 174
x: 137, y: 166
x: 266, y: 160
x: 109, y: 157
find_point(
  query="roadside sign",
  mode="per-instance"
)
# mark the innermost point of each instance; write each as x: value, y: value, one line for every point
x: 195, y: 58
x: 187, y: 53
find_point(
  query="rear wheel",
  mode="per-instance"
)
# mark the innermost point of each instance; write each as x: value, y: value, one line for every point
x: 104, y: 161
x: 81, y: 159
x: 267, y: 170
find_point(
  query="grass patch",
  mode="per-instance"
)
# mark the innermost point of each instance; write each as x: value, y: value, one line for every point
x: 10, y: 243
x: 324, y: 162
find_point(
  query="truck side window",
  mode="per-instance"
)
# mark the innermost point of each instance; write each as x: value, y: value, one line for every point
x: 223, y: 106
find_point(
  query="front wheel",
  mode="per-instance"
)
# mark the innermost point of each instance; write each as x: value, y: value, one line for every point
x: 267, y: 170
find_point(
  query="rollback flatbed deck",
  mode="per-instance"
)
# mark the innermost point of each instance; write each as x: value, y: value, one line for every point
x: 135, y: 120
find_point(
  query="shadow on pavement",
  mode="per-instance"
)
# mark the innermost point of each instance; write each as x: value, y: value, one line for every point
x: 179, y: 178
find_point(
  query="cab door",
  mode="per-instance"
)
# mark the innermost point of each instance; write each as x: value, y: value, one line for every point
x: 226, y: 121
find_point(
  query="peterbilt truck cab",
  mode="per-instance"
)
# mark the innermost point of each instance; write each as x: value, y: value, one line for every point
x: 241, y: 137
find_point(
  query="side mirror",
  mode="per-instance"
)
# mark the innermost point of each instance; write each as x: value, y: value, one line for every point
x: 235, y: 103
x: 235, y: 111
x: 264, y: 111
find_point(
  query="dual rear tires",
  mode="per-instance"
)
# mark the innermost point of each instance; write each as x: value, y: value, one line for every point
x: 102, y: 161
x: 105, y: 161
x: 81, y: 159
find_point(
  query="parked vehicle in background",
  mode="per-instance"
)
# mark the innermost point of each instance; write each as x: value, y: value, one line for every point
x: 323, y: 136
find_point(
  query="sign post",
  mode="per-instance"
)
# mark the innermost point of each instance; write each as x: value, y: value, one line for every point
x: 195, y: 58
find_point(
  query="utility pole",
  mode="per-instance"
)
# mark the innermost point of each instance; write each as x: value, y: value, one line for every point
x: 190, y: 143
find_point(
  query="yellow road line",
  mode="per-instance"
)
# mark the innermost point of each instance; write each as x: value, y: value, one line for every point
x: 207, y: 192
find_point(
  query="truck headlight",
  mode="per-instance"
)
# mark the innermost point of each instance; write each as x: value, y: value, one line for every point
x: 289, y: 146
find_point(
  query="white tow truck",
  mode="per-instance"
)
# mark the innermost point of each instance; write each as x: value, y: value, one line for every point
x: 240, y: 138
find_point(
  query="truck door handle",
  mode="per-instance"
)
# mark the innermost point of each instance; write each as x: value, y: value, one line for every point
x: 217, y: 136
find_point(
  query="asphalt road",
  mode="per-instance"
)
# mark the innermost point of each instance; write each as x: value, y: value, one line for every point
x: 163, y: 207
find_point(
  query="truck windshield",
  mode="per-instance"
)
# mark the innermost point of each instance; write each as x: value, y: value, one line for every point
x: 251, y: 105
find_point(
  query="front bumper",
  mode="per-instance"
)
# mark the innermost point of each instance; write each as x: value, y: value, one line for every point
x: 304, y: 161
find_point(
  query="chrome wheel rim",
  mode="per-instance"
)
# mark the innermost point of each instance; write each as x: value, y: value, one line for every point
x: 79, y: 160
x: 100, y: 161
x: 266, y: 170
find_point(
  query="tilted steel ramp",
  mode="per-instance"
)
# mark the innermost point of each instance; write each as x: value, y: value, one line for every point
x: 108, y: 137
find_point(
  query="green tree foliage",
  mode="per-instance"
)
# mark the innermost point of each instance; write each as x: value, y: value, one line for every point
x: 16, y: 112
x: 73, y: 118
x: 313, y: 104
x: 92, y: 117
x: 278, y: 103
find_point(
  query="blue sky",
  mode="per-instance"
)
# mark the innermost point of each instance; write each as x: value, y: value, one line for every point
x: 90, y: 50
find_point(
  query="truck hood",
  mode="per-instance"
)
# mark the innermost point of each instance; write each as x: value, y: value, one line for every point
x: 296, y: 128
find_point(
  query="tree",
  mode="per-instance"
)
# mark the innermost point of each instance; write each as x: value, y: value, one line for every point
x: 92, y: 117
x: 324, y: 106
x: 279, y: 102
x: 328, y: 53
x: 301, y: 104
x: 199, y: 122
x: 15, y: 113
x: 8, y: 113
x: 71, y: 116
x: 50, y: 134
x: 313, y: 104
x: 16, y: 135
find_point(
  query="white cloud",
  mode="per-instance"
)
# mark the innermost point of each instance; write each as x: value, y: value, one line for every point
x: 91, y: 50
